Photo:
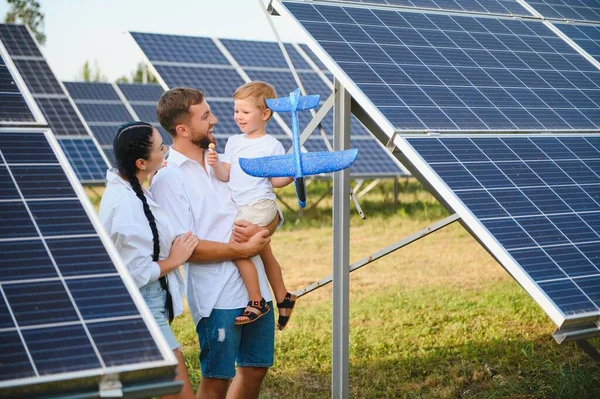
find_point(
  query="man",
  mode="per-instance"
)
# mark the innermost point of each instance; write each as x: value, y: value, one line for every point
x: 197, y: 200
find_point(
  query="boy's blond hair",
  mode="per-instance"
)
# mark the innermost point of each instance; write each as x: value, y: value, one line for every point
x: 258, y: 91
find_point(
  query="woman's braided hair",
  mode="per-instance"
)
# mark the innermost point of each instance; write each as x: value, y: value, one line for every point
x: 132, y: 142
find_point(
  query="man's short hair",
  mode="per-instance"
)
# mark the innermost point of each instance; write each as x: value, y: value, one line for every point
x: 258, y: 91
x: 174, y: 106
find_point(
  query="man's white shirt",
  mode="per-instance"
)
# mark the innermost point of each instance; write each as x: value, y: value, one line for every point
x: 122, y: 216
x: 195, y: 199
x: 247, y: 189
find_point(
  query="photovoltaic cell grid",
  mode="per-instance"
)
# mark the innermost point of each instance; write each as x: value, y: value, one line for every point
x: 60, y: 311
x: 52, y: 100
x: 588, y: 10
x: 13, y: 107
x: 586, y: 36
x: 260, y: 61
x: 539, y: 197
x: 444, y: 72
x: 505, y: 7
x: 143, y: 98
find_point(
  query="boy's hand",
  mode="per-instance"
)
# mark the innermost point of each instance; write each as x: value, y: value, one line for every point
x: 212, y: 157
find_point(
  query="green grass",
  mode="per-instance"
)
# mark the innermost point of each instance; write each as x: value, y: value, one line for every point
x: 436, y: 319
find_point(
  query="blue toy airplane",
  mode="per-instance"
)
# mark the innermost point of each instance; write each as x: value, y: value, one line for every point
x: 297, y: 164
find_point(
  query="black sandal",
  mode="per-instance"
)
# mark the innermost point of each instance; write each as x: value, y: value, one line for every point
x: 261, y: 308
x: 288, y: 303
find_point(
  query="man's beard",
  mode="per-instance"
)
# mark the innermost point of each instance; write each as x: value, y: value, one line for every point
x: 203, y: 142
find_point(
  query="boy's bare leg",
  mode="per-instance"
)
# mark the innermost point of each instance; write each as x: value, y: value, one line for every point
x: 250, y: 277
x: 273, y: 270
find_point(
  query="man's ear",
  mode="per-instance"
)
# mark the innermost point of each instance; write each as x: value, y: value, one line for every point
x: 181, y: 130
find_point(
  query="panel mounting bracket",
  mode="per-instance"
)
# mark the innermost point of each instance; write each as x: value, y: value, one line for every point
x: 110, y: 386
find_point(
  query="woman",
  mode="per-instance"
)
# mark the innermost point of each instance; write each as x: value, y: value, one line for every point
x: 142, y: 233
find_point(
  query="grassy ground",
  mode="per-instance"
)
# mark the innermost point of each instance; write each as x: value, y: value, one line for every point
x: 437, y: 319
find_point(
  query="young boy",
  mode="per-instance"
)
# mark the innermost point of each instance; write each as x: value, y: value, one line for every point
x: 254, y: 196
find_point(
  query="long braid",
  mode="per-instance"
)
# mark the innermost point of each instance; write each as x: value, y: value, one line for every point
x: 141, y: 146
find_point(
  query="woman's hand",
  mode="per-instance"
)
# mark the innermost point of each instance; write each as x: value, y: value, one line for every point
x: 183, y: 247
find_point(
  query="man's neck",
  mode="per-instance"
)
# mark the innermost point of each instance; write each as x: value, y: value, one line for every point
x: 190, y: 150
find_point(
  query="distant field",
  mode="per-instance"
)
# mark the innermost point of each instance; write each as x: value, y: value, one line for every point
x: 437, y: 319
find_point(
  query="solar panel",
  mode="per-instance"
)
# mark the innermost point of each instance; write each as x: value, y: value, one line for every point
x: 260, y: 61
x: 135, y: 92
x: 51, y: 98
x: 588, y: 10
x: 66, y: 319
x: 13, y: 107
x: 533, y: 201
x: 506, y: 7
x: 586, y: 36
x: 446, y: 72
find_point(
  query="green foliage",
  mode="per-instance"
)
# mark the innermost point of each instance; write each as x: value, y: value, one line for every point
x: 142, y: 74
x: 27, y: 12
x: 91, y: 73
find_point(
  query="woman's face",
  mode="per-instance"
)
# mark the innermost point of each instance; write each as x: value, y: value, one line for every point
x: 157, y: 154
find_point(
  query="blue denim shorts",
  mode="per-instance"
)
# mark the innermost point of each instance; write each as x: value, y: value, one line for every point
x: 155, y: 297
x: 223, y: 344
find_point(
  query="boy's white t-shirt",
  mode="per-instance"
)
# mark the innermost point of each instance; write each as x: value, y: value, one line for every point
x: 246, y: 189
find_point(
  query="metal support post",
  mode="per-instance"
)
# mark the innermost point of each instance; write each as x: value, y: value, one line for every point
x: 341, y: 247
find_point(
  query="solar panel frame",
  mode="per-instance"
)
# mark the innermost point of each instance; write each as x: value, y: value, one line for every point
x: 567, y: 11
x: 161, y: 370
x: 374, y: 108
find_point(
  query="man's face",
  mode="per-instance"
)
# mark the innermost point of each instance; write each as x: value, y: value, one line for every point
x: 200, y: 125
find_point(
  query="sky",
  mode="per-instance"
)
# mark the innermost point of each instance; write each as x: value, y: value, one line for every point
x: 95, y: 30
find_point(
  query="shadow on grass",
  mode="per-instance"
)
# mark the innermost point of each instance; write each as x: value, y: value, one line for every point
x: 414, y: 202
x: 501, y: 368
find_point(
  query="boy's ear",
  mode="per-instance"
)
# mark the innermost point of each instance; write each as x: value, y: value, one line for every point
x: 267, y: 114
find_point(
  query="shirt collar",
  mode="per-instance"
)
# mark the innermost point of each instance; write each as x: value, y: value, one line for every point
x: 176, y: 157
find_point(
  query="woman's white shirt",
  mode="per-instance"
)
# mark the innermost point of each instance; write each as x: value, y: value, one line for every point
x: 122, y: 215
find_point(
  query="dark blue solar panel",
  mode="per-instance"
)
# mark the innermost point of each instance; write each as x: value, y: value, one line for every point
x: 62, y: 295
x: 141, y: 92
x: 214, y: 82
x: 50, y: 97
x: 99, y: 112
x: 85, y: 158
x: 105, y: 133
x: 284, y: 82
x: 184, y: 49
x: 38, y: 77
x: 13, y: 107
x: 538, y: 197
x: 313, y: 57
x: 263, y: 54
x: 429, y: 71
x: 586, y: 36
x: 587, y: 10
x: 146, y: 113
x: 17, y: 41
x: 61, y: 116
x: 91, y: 91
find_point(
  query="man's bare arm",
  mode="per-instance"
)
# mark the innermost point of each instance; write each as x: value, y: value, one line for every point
x: 214, y: 252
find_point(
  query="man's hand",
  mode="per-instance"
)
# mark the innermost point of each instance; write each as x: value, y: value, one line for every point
x: 255, y: 244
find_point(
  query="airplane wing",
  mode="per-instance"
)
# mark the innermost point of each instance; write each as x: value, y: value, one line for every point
x: 312, y: 163
x: 273, y: 166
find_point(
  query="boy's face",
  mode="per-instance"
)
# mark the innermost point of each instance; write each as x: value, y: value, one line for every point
x: 249, y: 117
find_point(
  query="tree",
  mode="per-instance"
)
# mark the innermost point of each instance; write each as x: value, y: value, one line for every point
x: 91, y: 73
x: 27, y: 12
